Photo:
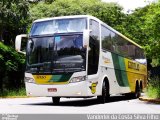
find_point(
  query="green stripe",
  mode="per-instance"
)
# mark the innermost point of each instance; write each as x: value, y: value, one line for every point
x: 120, y: 70
x: 60, y: 78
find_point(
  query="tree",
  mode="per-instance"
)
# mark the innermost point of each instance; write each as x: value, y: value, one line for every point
x: 14, y: 19
x: 11, y: 70
x: 143, y: 26
x: 107, y: 12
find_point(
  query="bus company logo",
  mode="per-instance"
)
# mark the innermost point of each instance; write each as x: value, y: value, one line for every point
x: 106, y: 60
x: 133, y: 65
x: 41, y: 76
x: 93, y: 87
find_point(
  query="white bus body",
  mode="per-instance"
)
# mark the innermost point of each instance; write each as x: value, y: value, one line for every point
x: 80, y: 56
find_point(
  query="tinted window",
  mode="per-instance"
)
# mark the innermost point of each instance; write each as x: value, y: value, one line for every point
x: 139, y: 56
x: 58, y: 53
x: 94, y: 26
x: 123, y: 47
x: 93, y: 55
x: 117, y: 44
x: 59, y: 26
x: 106, y: 38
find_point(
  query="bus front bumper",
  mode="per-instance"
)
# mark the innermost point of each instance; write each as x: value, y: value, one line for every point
x: 79, y: 89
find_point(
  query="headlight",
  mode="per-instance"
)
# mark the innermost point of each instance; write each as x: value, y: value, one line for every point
x: 29, y: 80
x: 77, y: 79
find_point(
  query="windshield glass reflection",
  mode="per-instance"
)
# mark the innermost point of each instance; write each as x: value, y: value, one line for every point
x: 58, y: 26
x: 57, y: 53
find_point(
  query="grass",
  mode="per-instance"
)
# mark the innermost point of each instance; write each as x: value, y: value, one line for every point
x: 13, y: 93
x: 153, y: 89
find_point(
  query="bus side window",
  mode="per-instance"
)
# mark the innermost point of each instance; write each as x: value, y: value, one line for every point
x: 106, y: 39
x: 93, y: 56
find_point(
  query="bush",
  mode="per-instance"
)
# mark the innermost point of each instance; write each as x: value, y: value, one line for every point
x: 153, y: 89
x: 11, y: 68
x: 14, y: 92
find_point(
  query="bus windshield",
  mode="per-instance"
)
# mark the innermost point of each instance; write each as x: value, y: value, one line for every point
x: 59, y: 26
x: 58, y: 53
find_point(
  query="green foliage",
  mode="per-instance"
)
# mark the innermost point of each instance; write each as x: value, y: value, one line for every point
x: 14, y: 19
x: 153, y: 89
x: 143, y: 26
x: 12, y: 68
x: 107, y: 12
x: 14, y: 92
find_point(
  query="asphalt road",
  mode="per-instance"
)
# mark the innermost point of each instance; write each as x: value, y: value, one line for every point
x: 43, y: 105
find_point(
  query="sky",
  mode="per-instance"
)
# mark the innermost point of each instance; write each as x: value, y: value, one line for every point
x: 131, y: 4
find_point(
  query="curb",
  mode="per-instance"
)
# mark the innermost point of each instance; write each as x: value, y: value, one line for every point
x: 152, y: 100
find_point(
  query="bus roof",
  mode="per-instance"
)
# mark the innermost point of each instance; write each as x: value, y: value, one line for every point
x: 61, y: 17
x: 91, y: 17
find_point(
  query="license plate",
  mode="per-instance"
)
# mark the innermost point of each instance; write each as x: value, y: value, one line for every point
x: 52, y: 89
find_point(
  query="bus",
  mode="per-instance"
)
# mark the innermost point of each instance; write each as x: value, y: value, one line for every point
x: 80, y: 56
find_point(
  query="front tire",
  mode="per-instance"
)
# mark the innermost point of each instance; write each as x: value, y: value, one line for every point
x: 105, y: 93
x: 56, y: 100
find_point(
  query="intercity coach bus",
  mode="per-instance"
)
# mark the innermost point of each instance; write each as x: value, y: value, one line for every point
x: 81, y: 56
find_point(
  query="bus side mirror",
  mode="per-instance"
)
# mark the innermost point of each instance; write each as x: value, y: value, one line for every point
x: 86, y: 38
x: 20, y: 43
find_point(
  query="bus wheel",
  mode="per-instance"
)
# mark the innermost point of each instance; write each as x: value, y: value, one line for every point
x: 55, y: 100
x: 141, y: 87
x: 105, y: 93
x: 137, y: 93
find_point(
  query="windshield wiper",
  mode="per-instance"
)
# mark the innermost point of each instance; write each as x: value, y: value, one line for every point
x: 39, y: 66
x: 36, y: 65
